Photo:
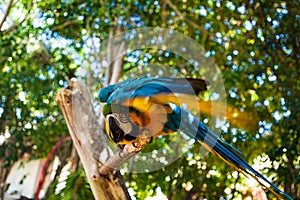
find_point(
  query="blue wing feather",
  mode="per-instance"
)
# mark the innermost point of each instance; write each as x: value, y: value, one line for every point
x: 149, y: 86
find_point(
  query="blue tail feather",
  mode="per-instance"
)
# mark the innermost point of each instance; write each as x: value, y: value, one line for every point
x: 194, y: 128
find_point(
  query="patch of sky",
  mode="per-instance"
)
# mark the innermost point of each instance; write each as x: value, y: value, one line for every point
x: 232, y: 94
x: 241, y: 9
x: 235, y: 52
x: 230, y: 5
x: 202, y: 11
x: 248, y: 25
x: 259, y: 80
x: 276, y: 115
x: 207, y: 26
x: 272, y: 78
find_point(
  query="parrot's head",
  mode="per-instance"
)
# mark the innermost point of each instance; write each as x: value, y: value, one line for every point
x: 119, y: 125
x: 105, y: 93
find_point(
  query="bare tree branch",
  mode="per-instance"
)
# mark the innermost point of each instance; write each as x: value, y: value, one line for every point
x: 9, y: 6
x: 61, y: 26
x: 109, y: 53
x: 15, y: 26
x: 15, y: 3
x: 3, y: 177
x: 118, y: 64
x: 90, y: 142
x: 127, y: 152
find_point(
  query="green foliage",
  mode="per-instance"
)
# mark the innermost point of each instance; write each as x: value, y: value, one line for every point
x: 255, y: 44
x: 29, y: 111
x: 76, y: 187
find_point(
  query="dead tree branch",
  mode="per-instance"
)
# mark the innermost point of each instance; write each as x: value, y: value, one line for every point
x: 6, y: 13
x: 89, y: 141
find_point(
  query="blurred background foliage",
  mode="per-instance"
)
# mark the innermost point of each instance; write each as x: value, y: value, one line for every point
x: 256, y: 44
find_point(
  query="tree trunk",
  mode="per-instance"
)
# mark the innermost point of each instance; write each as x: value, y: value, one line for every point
x: 4, y: 171
x: 89, y: 140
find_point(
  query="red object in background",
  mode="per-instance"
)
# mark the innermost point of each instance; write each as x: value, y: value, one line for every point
x: 50, y: 155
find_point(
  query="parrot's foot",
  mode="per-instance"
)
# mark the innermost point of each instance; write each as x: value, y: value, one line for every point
x: 142, y: 141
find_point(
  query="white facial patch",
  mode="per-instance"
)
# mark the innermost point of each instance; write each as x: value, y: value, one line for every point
x: 126, y: 127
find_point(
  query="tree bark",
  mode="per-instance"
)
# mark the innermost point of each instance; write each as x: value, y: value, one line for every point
x: 90, y: 142
x: 4, y: 171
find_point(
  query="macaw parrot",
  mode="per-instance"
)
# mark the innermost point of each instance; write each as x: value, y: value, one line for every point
x: 154, y: 105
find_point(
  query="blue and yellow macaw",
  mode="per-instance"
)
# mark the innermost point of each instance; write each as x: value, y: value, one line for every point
x: 153, y: 104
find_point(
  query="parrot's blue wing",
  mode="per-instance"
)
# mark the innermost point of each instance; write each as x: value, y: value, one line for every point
x: 148, y: 87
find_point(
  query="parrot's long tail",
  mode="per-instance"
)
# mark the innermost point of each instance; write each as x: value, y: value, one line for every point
x: 194, y: 128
